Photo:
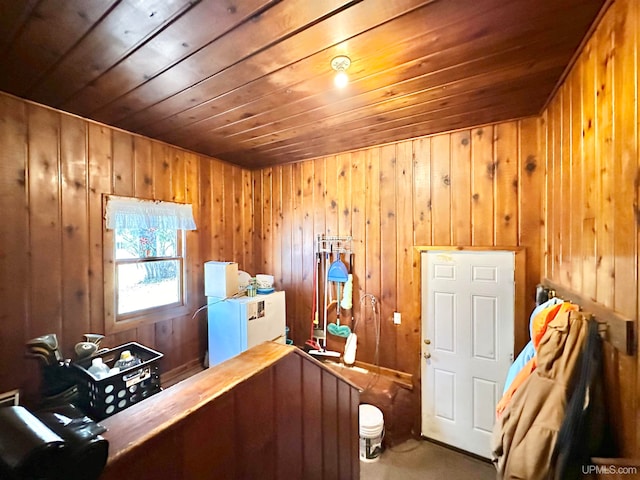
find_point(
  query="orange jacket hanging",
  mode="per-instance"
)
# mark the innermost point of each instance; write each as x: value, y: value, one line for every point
x: 538, y: 329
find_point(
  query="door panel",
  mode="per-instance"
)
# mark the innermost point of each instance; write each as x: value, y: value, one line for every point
x: 467, y: 327
x: 445, y: 322
x: 482, y: 417
x: 445, y: 394
x: 483, y: 321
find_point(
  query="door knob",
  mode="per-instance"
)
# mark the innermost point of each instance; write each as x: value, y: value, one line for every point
x: 426, y: 355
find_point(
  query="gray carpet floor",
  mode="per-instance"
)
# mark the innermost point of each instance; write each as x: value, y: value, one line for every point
x: 424, y: 460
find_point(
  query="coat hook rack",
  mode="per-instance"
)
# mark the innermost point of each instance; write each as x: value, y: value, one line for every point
x: 613, y: 327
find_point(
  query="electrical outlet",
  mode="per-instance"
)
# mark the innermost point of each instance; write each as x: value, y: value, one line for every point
x: 397, y: 318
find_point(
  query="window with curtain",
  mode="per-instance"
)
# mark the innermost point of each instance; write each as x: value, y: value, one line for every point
x: 148, y: 254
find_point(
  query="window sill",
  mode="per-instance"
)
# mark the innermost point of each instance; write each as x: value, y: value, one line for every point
x: 159, y: 315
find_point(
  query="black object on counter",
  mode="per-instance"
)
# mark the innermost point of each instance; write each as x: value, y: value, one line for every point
x: 28, y: 448
x: 50, y: 445
x: 85, y: 451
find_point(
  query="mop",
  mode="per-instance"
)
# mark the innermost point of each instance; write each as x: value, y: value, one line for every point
x: 338, y: 273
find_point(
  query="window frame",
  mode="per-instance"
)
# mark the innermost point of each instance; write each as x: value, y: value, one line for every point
x: 114, y: 323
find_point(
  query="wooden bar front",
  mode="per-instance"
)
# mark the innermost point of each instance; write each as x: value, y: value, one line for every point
x: 272, y: 412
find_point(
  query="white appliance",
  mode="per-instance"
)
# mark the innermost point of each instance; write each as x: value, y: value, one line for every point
x: 237, y: 324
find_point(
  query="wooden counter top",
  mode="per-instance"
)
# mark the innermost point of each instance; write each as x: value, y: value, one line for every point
x: 151, y: 425
x: 146, y: 419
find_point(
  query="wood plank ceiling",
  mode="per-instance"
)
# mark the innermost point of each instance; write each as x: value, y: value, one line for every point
x: 250, y: 82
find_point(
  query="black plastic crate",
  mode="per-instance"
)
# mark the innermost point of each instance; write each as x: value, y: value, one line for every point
x: 101, y: 398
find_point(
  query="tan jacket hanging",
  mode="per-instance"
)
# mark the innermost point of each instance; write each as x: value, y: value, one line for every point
x: 525, y: 435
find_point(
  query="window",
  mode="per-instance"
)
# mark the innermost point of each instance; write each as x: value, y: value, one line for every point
x: 145, y: 259
x: 149, y: 269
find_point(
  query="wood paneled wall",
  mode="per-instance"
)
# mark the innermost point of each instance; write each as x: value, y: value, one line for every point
x: 479, y: 187
x: 590, y: 136
x: 54, y: 169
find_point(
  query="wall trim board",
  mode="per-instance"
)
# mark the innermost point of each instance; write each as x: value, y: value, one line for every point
x: 616, y: 328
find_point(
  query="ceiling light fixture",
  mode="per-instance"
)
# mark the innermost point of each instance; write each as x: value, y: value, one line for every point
x: 340, y: 65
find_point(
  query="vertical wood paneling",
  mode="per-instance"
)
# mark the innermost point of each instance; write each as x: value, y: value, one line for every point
x: 460, y: 188
x: 308, y: 209
x: 506, y: 149
x: 329, y: 404
x: 229, y: 208
x: 577, y: 183
x: 206, y: 209
x: 168, y: 333
x: 255, y: 427
x: 566, y: 183
x: 422, y: 191
x: 286, y: 246
x: 258, y: 249
x: 302, y: 325
x: 276, y: 268
x: 553, y: 174
x: 75, y: 231
x: 440, y: 189
x: 100, y: 169
x: 14, y: 235
x: 288, y: 417
x: 184, y: 188
x: 344, y: 193
x: 44, y: 221
x: 331, y: 196
x: 358, y: 231
x: 387, y: 199
x: 531, y: 213
x: 143, y: 168
x: 389, y: 254
x: 178, y: 176
x: 332, y: 221
x: 543, y: 148
x: 599, y: 232
x: 312, y: 456
x: 218, y: 213
x: 368, y: 343
x: 319, y: 228
x: 123, y: 158
x: 482, y: 186
x: 625, y: 156
x: 247, y: 222
x: 604, y: 152
x: 407, y: 334
x: 56, y: 170
x: 345, y: 209
x: 589, y: 173
x: 345, y: 433
x: 319, y: 194
x: 197, y: 444
x: 267, y: 221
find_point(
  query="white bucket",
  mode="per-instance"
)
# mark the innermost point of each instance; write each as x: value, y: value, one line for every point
x: 371, y: 432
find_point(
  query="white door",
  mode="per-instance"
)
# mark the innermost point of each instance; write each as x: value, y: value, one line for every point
x: 467, y: 344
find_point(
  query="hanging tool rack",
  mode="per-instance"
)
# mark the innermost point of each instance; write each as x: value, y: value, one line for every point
x: 333, y: 244
x: 327, y: 247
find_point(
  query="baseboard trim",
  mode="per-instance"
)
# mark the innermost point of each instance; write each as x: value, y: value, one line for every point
x: 180, y: 373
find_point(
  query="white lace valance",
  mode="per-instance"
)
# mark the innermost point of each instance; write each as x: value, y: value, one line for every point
x: 124, y: 212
